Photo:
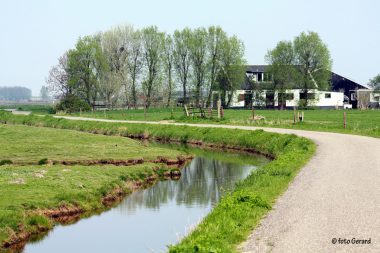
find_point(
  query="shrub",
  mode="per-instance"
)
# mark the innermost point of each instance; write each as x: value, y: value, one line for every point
x: 71, y: 104
x: 4, y: 162
x: 43, y: 161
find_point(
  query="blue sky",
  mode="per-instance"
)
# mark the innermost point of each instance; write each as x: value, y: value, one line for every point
x: 35, y: 33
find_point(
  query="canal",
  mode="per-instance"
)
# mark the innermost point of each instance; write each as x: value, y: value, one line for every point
x: 150, y: 219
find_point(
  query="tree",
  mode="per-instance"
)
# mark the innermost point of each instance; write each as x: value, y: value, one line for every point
x: 135, y: 63
x: 198, y: 56
x: 314, y: 63
x: 84, y: 68
x: 375, y: 83
x: 281, y: 68
x: 216, y: 38
x: 114, y: 45
x: 182, y: 57
x: 44, y: 93
x: 232, y: 69
x: 168, y: 60
x: 57, y: 81
x: 152, y: 42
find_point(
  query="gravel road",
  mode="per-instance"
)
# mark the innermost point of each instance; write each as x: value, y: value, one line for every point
x: 335, y: 196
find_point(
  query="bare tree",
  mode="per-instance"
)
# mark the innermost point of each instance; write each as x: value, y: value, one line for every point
x: 57, y: 81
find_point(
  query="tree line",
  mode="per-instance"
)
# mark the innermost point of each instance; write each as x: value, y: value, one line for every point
x: 15, y: 93
x: 146, y: 66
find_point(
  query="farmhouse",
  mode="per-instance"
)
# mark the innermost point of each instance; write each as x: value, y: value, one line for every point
x: 342, y: 94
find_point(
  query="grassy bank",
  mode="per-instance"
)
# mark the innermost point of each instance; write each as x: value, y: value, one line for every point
x: 22, y: 144
x: 361, y: 122
x: 239, y: 212
x: 32, y: 194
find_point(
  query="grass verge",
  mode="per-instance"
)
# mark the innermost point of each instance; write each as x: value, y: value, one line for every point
x: 360, y: 122
x: 239, y: 212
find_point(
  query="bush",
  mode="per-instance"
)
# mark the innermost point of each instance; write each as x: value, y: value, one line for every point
x: 43, y: 161
x: 71, y: 104
x: 4, y: 162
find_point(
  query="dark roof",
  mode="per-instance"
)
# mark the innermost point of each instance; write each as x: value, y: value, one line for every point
x: 338, y: 82
x: 256, y: 68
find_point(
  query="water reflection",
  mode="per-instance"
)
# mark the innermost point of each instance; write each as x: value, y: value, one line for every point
x: 202, y: 183
x: 148, y: 220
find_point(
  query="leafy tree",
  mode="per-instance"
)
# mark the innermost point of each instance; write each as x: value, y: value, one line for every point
x: 152, y: 42
x: 135, y: 63
x: 314, y: 62
x: 84, y: 67
x: 375, y: 83
x: 281, y: 68
x: 182, y: 57
x: 216, y: 38
x: 198, y: 56
x: 232, y: 69
x: 168, y: 60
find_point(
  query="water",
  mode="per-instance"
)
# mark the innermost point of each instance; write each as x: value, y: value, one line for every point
x: 150, y: 219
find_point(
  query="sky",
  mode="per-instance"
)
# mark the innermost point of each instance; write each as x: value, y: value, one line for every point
x: 35, y: 33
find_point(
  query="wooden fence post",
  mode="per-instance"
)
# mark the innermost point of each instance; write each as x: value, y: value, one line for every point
x: 344, y: 120
x: 294, y: 115
x: 219, y: 105
x: 145, y: 110
x: 253, y: 112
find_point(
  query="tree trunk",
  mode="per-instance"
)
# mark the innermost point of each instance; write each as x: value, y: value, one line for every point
x: 170, y: 88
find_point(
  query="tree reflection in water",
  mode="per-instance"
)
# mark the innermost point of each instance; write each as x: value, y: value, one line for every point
x: 203, y: 182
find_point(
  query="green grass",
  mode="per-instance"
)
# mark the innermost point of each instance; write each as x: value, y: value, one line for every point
x: 24, y: 189
x: 22, y: 144
x: 37, y: 109
x: 360, y: 122
x: 231, y: 221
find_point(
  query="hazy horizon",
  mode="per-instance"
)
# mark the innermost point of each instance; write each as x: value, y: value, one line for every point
x: 36, y: 33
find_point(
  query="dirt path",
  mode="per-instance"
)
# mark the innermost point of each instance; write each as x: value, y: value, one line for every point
x: 336, y: 195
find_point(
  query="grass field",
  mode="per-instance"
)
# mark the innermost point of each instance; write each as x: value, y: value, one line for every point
x: 231, y: 221
x: 361, y: 122
x: 31, y: 144
x: 38, y: 109
x: 28, y: 188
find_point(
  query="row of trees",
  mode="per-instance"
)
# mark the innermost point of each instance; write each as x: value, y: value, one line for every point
x: 15, y: 93
x: 303, y: 63
x: 142, y: 66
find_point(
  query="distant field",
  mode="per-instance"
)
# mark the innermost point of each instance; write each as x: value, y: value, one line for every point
x: 362, y: 122
x: 39, y: 109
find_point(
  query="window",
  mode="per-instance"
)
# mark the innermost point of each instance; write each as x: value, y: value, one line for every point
x: 260, y: 77
x: 309, y: 95
x: 327, y: 95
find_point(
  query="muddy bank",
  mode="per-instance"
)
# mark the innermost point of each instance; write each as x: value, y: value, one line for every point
x: 177, y: 162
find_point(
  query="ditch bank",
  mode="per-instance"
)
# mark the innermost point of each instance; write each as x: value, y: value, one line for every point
x: 69, y: 214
